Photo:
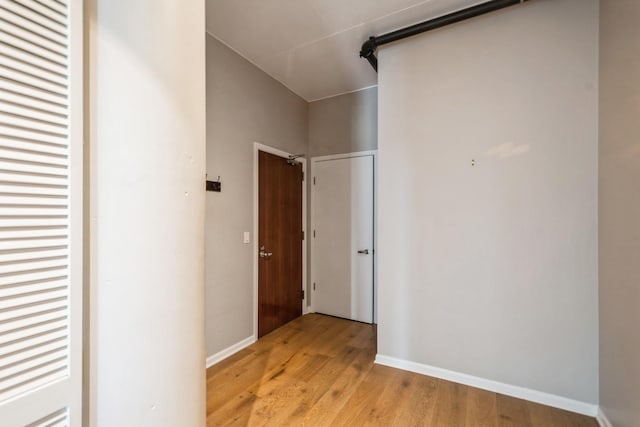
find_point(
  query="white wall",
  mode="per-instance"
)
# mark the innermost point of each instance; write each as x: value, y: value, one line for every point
x: 244, y: 105
x: 619, y: 212
x: 147, y: 142
x: 491, y: 270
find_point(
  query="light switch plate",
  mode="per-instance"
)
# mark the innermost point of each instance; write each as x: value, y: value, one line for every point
x: 247, y: 237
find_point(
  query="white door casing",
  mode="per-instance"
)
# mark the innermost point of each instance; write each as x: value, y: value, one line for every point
x: 41, y: 212
x: 343, y: 236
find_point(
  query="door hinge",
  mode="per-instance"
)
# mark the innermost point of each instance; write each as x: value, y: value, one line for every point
x: 303, y: 294
x: 314, y: 286
x: 314, y: 233
x: 314, y: 180
x: 302, y: 234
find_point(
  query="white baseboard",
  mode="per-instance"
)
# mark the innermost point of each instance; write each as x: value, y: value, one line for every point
x: 229, y: 351
x: 602, y: 419
x: 494, y: 386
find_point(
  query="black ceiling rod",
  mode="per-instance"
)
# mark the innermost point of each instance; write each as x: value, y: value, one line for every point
x: 369, y: 47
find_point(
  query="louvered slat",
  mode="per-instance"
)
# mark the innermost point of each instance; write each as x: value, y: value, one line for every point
x: 35, y: 376
x: 55, y: 323
x: 52, y: 263
x: 34, y: 104
x: 32, y: 243
x: 39, y: 317
x: 20, y: 214
x: 31, y: 92
x: 27, y: 280
x: 54, y: 151
x: 54, y: 5
x: 35, y: 179
x: 31, y: 50
x: 33, y: 263
x: 33, y: 38
x: 18, y: 256
x: 26, y: 199
x: 34, y: 197
x: 23, y: 312
x: 32, y: 168
x: 31, y: 114
x: 27, y: 13
x: 10, y: 190
x: 32, y: 125
x: 57, y: 419
x: 32, y: 70
x: 34, y: 297
x: 50, y: 66
x: 44, y: 11
x: 17, y: 167
x: 32, y: 233
x: 34, y: 81
x: 10, y: 17
x: 33, y: 221
x: 31, y: 341
x: 23, y: 168
x: 34, y: 351
x: 26, y: 368
x: 17, y: 133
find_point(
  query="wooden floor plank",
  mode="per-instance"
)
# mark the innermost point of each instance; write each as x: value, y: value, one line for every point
x: 319, y: 371
x: 481, y: 408
x: 419, y: 408
x: 451, y: 405
x: 512, y: 412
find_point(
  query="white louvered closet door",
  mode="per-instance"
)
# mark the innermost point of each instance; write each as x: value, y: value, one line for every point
x: 40, y: 212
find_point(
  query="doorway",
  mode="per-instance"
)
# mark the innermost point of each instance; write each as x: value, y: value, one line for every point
x: 279, y: 246
x: 343, y: 249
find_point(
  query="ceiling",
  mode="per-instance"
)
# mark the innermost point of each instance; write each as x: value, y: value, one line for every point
x: 311, y: 46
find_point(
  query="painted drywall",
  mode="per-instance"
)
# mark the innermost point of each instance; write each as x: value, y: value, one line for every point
x: 344, y: 124
x: 619, y: 211
x: 488, y: 198
x: 147, y: 169
x: 244, y: 105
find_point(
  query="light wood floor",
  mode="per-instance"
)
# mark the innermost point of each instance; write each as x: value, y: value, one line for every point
x: 319, y: 371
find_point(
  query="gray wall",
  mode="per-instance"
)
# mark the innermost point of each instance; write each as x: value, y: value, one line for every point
x: 491, y: 270
x: 244, y: 106
x: 344, y: 124
x: 619, y: 201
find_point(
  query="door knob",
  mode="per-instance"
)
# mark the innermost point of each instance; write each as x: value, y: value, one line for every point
x: 264, y: 254
x: 364, y: 252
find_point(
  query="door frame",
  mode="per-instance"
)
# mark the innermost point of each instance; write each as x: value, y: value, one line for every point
x: 257, y: 147
x: 318, y: 159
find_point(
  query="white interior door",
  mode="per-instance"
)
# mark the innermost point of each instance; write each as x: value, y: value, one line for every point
x: 343, y: 252
x: 40, y: 213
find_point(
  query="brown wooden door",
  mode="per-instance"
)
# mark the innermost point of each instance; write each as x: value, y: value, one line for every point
x: 280, y: 233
